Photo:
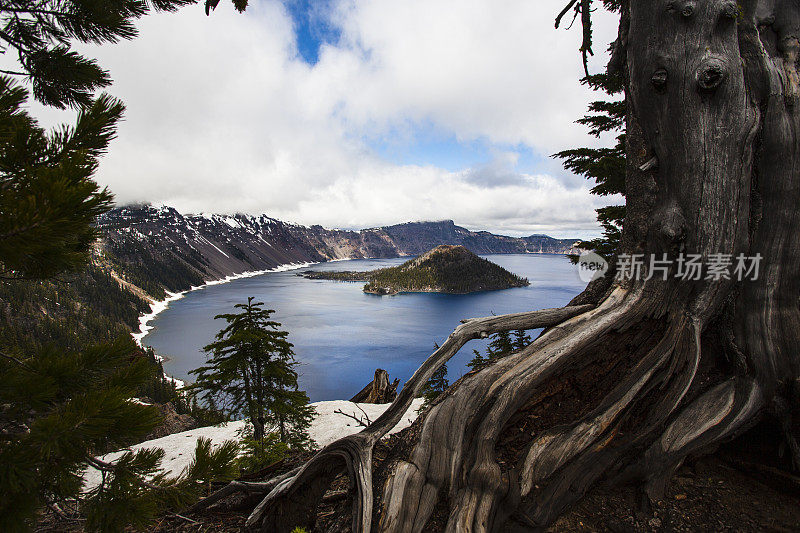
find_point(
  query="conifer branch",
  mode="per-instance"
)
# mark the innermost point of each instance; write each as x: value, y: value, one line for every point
x: 111, y: 468
x: 19, y: 363
x: 564, y: 12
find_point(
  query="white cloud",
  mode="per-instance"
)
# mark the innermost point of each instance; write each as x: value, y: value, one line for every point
x: 494, y: 68
x: 223, y: 115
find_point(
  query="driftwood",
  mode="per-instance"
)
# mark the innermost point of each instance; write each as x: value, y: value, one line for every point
x: 362, y: 421
x: 379, y: 390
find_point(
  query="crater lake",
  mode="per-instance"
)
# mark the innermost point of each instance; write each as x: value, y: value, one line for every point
x: 341, y: 335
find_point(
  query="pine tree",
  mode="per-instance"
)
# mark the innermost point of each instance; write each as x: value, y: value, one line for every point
x: 134, y: 489
x: 436, y: 385
x: 521, y: 339
x: 251, y: 372
x: 60, y: 408
x: 48, y: 198
x: 606, y: 166
x: 478, y: 361
x: 500, y: 345
x: 40, y: 33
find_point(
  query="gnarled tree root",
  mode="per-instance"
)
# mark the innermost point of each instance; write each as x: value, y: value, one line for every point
x: 640, y: 425
x: 290, y: 502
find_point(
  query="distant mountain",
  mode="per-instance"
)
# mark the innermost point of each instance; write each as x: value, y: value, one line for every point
x: 157, y: 248
x: 446, y: 268
x: 414, y: 238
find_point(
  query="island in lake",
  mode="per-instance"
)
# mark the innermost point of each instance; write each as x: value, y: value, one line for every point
x: 448, y: 269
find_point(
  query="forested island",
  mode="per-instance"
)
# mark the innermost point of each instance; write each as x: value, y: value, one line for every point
x: 446, y: 268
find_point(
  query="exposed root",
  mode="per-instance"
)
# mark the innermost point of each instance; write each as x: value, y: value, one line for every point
x: 638, y: 425
x: 552, y: 450
x: 291, y: 501
x: 723, y: 412
x: 730, y: 196
x: 239, y: 486
x: 463, y: 429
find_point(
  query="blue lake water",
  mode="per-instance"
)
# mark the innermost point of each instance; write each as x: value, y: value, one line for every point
x: 341, y: 335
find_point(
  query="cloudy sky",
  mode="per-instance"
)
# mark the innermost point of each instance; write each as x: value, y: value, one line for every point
x: 357, y: 113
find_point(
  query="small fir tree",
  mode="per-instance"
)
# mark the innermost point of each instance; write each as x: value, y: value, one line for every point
x: 251, y: 371
x: 478, y: 361
x: 500, y: 345
x: 521, y: 339
x: 436, y: 385
x: 606, y: 166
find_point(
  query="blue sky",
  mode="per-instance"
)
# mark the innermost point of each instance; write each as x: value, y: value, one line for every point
x: 415, y: 143
x: 425, y: 144
x: 312, y: 27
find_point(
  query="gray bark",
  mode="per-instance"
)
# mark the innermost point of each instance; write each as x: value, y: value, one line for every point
x: 379, y: 390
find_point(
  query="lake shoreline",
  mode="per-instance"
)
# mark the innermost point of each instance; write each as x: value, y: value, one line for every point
x: 159, y: 306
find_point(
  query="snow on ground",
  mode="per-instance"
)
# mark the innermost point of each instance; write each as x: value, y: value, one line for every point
x: 327, y: 427
x: 156, y: 307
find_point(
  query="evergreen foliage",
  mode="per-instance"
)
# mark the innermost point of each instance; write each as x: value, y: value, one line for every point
x: 40, y: 33
x: 154, y: 272
x: 478, y: 361
x: 606, y: 166
x: 213, y: 464
x: 134, y: 490
x: 62, y: 404
x: 57, y: 409
x: 75, y: 311
x: 500, y: 345
x: 48, y: 199
x: 239, y: 5
x: 450, y: 269
x: 259, y: 453
x: 251, y: 372
x: 436, y: 385
x: 521, y: 339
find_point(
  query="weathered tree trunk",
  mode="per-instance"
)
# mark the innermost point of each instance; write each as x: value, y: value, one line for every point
x: 659, y: 368
x: 252, y: 407
x: 379, y: 390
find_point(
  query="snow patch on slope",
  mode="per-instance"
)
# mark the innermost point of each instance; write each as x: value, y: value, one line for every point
x: 327, y: 427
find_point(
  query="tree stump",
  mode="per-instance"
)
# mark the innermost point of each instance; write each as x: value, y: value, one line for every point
x: 379, y: 390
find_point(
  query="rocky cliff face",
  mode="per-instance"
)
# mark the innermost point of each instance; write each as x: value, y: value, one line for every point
x: 176, y: 251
